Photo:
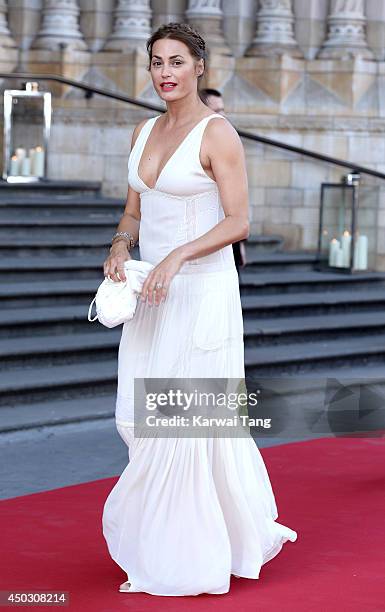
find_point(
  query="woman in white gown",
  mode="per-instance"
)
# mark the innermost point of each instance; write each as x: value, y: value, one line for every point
x: 187, y: 512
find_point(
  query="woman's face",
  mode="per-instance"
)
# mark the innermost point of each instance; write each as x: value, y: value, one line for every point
x: 173, y: 63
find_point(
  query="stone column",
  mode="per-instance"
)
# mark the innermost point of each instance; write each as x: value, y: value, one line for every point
x: 346, y: 31
x: 6, y: 39
x: 207, y: 17
x: 310, y: 25
x: 238, y: 24
x: 60, y: 25
x: 164, y: 11
x: 375, y: 27
x: 96, y: 22
x: 275, y: 31
x: 132, y: 25
x: 24, y: 19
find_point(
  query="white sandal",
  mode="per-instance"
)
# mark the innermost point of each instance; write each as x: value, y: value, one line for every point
x: 125, y: 587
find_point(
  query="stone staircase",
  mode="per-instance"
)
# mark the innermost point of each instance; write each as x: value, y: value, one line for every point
x: 319, y: 320
x: 56, y: 367
x: 314, y: 345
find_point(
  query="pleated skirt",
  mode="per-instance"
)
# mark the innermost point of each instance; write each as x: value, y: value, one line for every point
x: 186, y: 513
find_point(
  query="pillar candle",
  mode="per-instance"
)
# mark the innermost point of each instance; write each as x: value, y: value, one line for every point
x: 38, y: 161
x: 346, y: 244
x: 21, y: 153
x: 361, y: 253
x: 31, y: 157
x: 26, y: 167
x: 14, y: 167
x: 339, y: 257
x: 333, y: 248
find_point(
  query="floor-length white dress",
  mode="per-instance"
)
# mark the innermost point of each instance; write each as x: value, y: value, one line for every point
x: 186, y: 513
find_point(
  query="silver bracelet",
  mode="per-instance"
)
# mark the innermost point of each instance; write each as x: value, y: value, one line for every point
x: 125, y: 236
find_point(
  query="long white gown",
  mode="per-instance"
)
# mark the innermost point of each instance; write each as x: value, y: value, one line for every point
x: 186, y: 513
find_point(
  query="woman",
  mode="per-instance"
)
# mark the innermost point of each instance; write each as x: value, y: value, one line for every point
x: 186, y: 513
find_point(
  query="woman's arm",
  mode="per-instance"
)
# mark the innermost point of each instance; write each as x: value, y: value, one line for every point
x: 129, y: 222
x: 227, y: 159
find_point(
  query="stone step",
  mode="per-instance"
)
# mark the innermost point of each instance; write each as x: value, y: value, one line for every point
x: 34, y: 267
x: 65, y: 348
x: 41, y: 264
x: 286, y: 330
x: 52, y: 187
x: 56, y: 249
x: 25, y: 210
x: 57, y: 203
x: 47, y: 320
x: 257, y: 283
x: 40, y: 384
x: 260, y: 243
x: 41, y: 293
x: 22, y: 226
x: 294, y: 260
x: 313, y: 303
x: 56, y: 235
x: 372, y: 373
x: 56, y: 412
x: 97, y: 237
x: 305, y: 356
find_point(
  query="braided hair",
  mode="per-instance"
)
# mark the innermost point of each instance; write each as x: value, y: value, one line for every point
x: 183, y: 32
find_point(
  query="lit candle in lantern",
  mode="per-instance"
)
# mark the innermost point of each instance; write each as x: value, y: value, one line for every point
x: 15, y: 165
x: 38, y: 161
x: 361, y: 253
x: 345, y: 245
x: 26, y: 166
x: 21, y: 153
x: 31, y: 157
x: 339, y: 257
x: 333, y: 248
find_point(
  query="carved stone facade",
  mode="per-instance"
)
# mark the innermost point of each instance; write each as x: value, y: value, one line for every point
x: 275, y: 29
x: 60, y: 26
x: 307, y: 72
x: 6, y: 39
x: 346, y: 30
x: 132, y: 25
x: 207, y: 17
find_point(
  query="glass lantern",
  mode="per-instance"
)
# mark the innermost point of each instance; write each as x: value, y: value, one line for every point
x: 347, y: 232
x: 27, y: 123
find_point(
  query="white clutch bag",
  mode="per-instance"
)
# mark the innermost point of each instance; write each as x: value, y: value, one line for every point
x: 115, y: 302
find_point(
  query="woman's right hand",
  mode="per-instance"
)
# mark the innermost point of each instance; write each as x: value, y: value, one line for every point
x: 114, y: 264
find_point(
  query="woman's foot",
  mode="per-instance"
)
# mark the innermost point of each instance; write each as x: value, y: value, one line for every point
x: 125, y: 587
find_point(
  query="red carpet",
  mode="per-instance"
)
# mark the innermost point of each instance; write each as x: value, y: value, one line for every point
x: 331, y: 491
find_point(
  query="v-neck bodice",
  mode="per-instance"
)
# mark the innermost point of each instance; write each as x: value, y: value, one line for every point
x: 185, y: 162
x: 183, y: 205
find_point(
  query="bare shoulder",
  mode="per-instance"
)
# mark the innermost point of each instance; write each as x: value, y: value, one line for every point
x: 221, y: 136
x: 137, y: 130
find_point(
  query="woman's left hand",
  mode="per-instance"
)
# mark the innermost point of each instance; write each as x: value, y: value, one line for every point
x: 159, y: 279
